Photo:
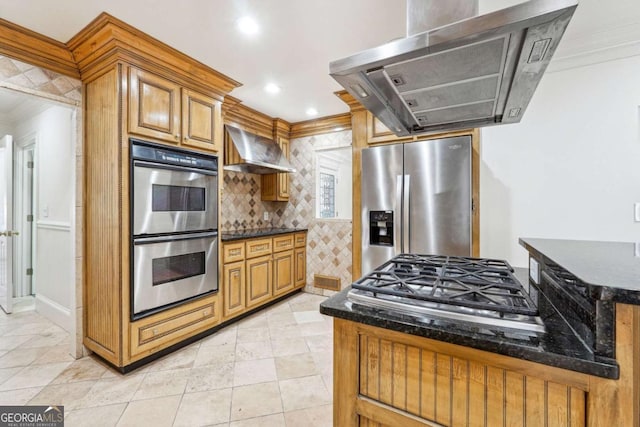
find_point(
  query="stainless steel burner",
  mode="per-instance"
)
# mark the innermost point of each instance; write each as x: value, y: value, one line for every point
x: 459, y: 288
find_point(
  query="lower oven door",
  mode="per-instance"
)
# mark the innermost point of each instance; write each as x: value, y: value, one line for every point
x: 168, y: 270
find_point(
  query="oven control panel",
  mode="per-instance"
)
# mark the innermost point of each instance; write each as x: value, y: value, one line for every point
x: 142, y: 150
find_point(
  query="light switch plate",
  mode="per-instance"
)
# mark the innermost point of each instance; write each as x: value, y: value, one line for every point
x: 265, y: 216
x: 636, y: 212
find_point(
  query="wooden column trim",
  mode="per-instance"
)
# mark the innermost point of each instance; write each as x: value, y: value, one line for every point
x: 33, y: 48
x: 617, y: 402
x: 345, y: 373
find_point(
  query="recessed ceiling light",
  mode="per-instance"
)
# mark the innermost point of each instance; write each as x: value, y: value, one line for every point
x: 272, y: 88
x: 248, y: 25
x: 312, y: 112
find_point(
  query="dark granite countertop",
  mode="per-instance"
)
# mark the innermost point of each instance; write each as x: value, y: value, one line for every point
x: 257, y: 232
x: 612, y: 267
x: 558, y: 347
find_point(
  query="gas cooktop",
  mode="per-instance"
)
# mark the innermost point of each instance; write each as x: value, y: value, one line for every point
x: 477, y: 290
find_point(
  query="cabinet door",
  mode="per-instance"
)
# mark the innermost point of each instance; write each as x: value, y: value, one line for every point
x: 201, y: 121
x: 283, y: 178
x: 154, y: 106
x: 233, y: 282
x: 259, y: 280
x: 301, y: 267
x: 283, y: 278
x: 275, y: 186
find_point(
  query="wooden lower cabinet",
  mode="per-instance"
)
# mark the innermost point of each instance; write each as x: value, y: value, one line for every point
x: 233, y: 288
x: 256, y: 271
x: 153, y: 333
x: 283, y: 272
x: 300, y: 256
x: 385, y: 378
x: 259, y: 280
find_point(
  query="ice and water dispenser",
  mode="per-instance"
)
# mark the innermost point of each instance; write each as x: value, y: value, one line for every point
x: 381, y: 228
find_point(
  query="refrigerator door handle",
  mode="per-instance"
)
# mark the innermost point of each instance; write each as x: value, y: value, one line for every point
x: 406, y: 247
x: 398, y: 245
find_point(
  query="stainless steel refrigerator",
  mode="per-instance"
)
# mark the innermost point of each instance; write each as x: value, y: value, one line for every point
x: 416, y: 198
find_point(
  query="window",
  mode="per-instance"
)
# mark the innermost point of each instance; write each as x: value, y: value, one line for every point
x: 333, y: 183
x: 327, y: 195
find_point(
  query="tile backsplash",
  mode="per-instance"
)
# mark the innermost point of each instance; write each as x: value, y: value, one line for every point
x: 328, y: 242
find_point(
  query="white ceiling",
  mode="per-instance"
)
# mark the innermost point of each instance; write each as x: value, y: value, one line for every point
x: 298, y: 38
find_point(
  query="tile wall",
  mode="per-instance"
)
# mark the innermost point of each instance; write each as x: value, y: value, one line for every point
x: 328, y: 242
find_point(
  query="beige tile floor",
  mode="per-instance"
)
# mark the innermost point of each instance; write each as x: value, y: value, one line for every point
x: 271, y: 369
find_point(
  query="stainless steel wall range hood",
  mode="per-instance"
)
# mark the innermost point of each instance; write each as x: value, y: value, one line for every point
x: 474, y: 72
x: 258, y: 154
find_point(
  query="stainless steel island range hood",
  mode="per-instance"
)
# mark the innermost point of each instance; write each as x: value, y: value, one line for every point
x: 255, y: 154
x: 478, y: 71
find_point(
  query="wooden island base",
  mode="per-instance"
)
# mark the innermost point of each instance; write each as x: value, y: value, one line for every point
x: 384, y: 378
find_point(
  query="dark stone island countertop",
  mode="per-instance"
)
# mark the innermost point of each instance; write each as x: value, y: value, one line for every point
x: 227, y: 236
x: 611, y: 268
x: 558, y: 346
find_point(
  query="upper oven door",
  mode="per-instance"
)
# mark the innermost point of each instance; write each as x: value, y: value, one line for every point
x: 173, y: 199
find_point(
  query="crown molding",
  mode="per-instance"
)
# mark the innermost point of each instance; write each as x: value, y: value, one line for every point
x: 107, y: 39
x: 328, y: 124
x: 33, y: 48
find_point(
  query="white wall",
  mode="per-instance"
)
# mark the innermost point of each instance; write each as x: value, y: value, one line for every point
x: 55, y: 160
x: 571, y: 168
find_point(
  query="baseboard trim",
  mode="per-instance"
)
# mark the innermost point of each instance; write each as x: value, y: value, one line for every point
x: 53, y: 311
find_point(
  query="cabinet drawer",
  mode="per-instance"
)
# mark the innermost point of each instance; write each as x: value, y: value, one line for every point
x: 167, y: 328
x: 232, y: 252
x: 258, y: 247
x: 282, y: 243
x: 300, y: 240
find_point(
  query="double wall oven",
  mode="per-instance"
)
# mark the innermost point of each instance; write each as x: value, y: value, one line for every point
x: 174, y: 226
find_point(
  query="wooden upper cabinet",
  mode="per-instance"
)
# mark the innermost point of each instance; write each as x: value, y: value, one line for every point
x: 154, y: 106
x: 275, y: 186
x: 201, y: 121
x: 163, y: 110
x: 377, y: 132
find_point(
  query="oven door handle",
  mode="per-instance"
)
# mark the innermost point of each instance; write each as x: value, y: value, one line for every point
x: 173, y: 238
x: 143, y: 164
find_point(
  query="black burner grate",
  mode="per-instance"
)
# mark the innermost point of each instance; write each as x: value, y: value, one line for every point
x: 478, y: 283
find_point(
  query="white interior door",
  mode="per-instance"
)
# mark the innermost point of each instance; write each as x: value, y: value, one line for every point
x: 6, y: 223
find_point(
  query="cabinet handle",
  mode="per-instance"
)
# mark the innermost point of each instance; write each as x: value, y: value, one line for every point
x: 177, y: 137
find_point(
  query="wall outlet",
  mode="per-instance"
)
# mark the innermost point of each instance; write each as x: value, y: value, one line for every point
x: 265, y: 216
x: 636, y: 212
